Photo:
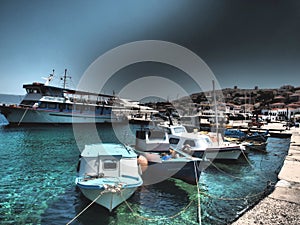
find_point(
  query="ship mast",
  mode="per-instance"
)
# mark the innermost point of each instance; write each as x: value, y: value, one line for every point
x: 64, y: 78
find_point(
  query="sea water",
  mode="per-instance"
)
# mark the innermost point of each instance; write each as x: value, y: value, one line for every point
x: 38, y: 170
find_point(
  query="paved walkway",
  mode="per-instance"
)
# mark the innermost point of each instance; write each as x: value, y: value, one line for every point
x: 282, y: 206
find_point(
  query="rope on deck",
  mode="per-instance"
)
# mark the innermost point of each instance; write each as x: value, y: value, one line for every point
x: 198, y: 192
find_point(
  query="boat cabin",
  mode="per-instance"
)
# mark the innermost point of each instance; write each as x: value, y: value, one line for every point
x: 107, y: 160
x: 152, y: 140
x: 192, y: 143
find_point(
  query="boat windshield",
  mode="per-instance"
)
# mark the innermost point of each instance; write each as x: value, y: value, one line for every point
x: 179, y: 130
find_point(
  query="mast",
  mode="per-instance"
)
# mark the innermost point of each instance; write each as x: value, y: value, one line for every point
x: 64, y: 78
x: 216, y: 111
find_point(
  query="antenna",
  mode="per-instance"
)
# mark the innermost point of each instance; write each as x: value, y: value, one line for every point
x: 49, y: 78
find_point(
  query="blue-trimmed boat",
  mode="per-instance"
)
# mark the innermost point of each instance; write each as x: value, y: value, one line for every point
x: 108, y: 174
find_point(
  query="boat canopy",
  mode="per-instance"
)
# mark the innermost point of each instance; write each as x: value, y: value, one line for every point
x: 108, y: 149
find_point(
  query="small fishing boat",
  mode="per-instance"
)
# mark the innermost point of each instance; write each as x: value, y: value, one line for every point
x: 159, y: 162
x: 158, y: 167
x: 255, y: 146
x: 243, y: 136
x: 108, y: 174
x: 202, y: 145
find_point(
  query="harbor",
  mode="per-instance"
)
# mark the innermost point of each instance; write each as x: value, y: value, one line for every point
x: 245, y: 158
x: 150, y: 112
x: 41, y: 167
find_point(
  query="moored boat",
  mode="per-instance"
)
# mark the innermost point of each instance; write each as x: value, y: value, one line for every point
x: 108, y: 174
x: 201, y: 145
x: 46, y: 104
x: 243, y: 136
x: 255, y: 146
x: 159, y: 162
x: 160, y: 167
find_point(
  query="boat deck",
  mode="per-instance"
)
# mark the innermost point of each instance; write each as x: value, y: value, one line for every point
x: 99, y: 183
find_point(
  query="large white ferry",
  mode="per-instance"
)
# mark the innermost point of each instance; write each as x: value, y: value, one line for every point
x: 46, y: 104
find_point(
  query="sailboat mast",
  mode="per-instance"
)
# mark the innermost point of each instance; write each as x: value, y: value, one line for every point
x: 216, y: 111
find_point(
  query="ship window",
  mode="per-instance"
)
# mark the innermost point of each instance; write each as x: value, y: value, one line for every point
x: 51, y: 105
x: 110, y: 165
x: 207, y: 140
x: 190, y: 143
x: 43, y: 105
x: 173, y: 141
x: 156, y: 135
x: 69, y: 107
x: 62, y: 107
x: 179, y: 130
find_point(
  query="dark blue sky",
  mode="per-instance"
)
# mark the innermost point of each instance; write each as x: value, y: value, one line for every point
x: 245, y: 43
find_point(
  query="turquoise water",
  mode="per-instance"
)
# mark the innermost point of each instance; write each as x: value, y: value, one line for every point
x: 38, y: 168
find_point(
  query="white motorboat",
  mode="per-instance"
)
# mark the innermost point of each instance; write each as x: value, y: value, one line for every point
x: 204, y: 145
x: 108, y: 174
x: 201, y: 144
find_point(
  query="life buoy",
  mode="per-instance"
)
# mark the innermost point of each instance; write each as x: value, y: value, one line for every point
x: 143, y: 162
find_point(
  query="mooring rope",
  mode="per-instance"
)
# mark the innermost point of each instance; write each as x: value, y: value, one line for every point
x: 224, y: 172
x: 82, y: 211
x: 23, y: 116
x: 250, y: 164
x: 198, y: 192
x: 156, y: 219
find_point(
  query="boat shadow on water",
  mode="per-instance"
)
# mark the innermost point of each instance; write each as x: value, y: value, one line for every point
x: 150, y: 203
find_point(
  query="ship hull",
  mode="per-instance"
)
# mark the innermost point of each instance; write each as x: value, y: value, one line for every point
x: 19, y: 115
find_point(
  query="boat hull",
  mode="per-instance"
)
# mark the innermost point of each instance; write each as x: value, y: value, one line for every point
x: 19, y: 115
x: 220, y: 153
x: 261, y: 147
x: 109, y: 200
x: 109, y: 192
x: 223, y: 154
x: 159, y: 171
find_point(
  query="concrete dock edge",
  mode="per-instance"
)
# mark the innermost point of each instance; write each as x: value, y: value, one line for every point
x: 282, y: 206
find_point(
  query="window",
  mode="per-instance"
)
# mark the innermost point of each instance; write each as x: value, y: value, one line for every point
x: 189, y: 142
x: 179, y: 130
x: 62, y: 107
x: 69, y: 107
x: 110, y: 165
x: 52, y: 105
x: 173, y: 141
x: 43, y: 105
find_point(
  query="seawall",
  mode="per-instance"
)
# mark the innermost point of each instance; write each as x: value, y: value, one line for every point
x: 282, y: 206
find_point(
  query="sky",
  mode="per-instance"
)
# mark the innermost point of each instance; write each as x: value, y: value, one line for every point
x: 244, y: 43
